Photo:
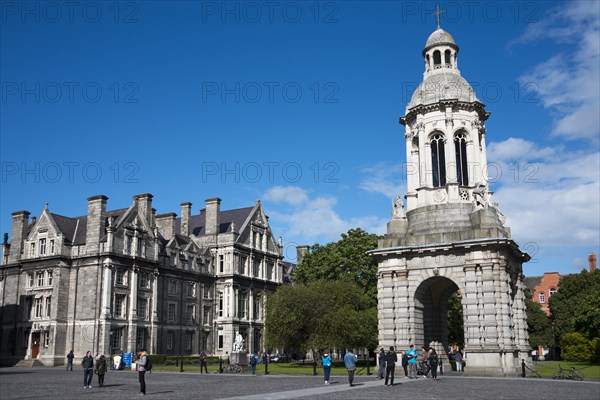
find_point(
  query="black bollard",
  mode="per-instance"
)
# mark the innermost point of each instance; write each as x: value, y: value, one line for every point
x: 267, y: 366
x: 181, y: 365
x: 368, y: 367
x: 523, y: 368
x: 220, y: 365
x: 315, y: 367
x: 441, y: 368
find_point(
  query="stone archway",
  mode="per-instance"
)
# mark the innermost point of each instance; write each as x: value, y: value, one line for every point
x: 431, y: 311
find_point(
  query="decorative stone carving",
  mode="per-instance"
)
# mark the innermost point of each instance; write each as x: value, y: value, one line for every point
x: 440, y: 196
x: 479, y: 202
x: 398, y: 208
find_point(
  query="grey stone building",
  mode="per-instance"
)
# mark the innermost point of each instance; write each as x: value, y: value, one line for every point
x: 114, y: 281
x: 451, y: 236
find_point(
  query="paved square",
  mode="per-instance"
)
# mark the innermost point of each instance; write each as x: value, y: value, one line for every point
x: 56, y: 383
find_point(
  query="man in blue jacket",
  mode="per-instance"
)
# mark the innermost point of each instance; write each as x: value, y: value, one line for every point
x: 350, y: 364
x: 411, y: 353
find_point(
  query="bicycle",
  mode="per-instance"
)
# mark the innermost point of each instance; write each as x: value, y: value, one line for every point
x: 571, y: 373
x: 233, y: 369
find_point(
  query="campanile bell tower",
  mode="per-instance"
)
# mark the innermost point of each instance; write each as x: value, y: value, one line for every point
x: 450, y: 238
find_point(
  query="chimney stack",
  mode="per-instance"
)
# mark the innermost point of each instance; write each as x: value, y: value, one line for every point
x: 20, y: 223
x: 301, y: 251
x: 96, y: 220
x: 592, y: 261
x: 144, y: 202
x: 166, y: 225
x: 186, y: 212
x: 211, y: 223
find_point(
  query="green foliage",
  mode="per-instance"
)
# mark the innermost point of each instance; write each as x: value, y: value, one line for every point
x: 576, y: 347
x: 539, y: 325
x: 345, y: 257
x: 456, y: 331
x: 576, y: 305
x: 321, y: 315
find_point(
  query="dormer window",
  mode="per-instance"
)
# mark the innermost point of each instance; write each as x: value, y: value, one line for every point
x: 42, y: 247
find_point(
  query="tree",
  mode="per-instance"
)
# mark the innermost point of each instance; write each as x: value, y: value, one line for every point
x: 576, y: 305
x: 539, y: 326
x: 456, y: 330
x: 346, y: 257
x: 321, y: 315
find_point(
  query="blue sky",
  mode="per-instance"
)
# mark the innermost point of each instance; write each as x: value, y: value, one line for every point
x: 296, y: 104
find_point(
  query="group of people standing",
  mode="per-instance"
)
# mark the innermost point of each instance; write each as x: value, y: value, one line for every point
x: 100, y: 366
x: 350, y: 360
x: 409, y: 358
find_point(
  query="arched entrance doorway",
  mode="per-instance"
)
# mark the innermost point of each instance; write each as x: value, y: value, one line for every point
x: 431, y: 308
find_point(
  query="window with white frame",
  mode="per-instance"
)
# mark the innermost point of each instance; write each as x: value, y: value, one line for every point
x: 38, y: 307
x: 120, y: 277
x: 206, y: 315
x: 52, y: 249
x: 119, y: 305
x: 256, y: 268
x: 256, y: 307
x: 221, y: 304
x: 40, y: 278
x: 46, y: 338
x: 171, y: 312
x: 30, y: 279
x: 42, y: 247
x: 189, y: 314
x: 438, y: 160
x: 191, y: 289
x: 116, y: 337
x: 552, y: 291
x: 220, y: 339
x: 542, y: 297
x: 221, y: 263
x: 140, y: 339
x: 189, y: 339
x: 143, y: 280
x: 172, y: 287
x: 170, y: 340
x: 142, y: 308
x: 206, y: 292
x: 48, y: 306
x: 49, y: 277
x: 242, y: 301
x: 32, y: 250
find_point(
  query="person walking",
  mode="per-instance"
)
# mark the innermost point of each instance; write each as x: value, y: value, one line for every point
x: 381, y: 372
x: 70, y: 358
x: 253, y: 362
x: 405, y: 364
x: 350, y: 360
x: 203, y: 362
x: 326, y: 362
x: 411, y: 354
x: 101, y: 368
x: 88, y: 370
x: 141, y: 368
x: 390, y: 360
x: 433, y: 363
x: 425, y: 361
x: 459, y: 360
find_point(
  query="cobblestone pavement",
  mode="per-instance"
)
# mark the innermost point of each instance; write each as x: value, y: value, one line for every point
x: 55, y: 383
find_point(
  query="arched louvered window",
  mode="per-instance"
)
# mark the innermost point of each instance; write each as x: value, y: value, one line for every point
x: 460, y: 149
x: 437, y: 58
x: 447, y: 57
x: 438, y: 160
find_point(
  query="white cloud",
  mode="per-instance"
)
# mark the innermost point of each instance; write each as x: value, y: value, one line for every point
x: 385, y: 178
x: 315, y: 219
x: 287, y: 194
x: 567, y: 83
x: 550, y: 196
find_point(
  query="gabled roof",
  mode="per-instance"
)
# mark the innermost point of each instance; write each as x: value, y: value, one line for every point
x: 75, y: 228
x: 238, y: 216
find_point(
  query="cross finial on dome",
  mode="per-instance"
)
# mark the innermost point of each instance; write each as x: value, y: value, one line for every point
x: 438, y: 12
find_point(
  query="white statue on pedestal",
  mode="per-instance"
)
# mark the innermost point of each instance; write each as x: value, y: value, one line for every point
x: 398, y: 208
x: 238, y: 345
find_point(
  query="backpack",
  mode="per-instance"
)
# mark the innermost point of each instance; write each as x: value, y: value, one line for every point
x: 148, y: 365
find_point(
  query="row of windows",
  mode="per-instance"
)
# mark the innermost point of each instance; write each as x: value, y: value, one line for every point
x: 438, y: 159
x: 42, y: 306
x: 542, y: 295
x: 45, y: 248
x: 437, y: 58
x: 188, y: 340
x: 39, y: 278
